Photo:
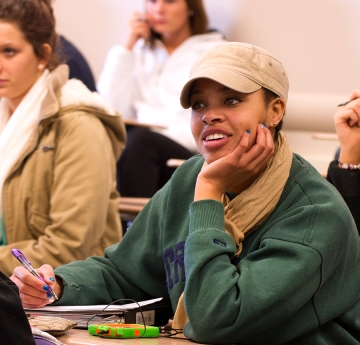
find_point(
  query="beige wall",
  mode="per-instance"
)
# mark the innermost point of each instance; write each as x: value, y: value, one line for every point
x: 318, y: 41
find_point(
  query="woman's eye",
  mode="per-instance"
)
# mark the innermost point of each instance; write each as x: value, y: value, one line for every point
x: 231, y: 101
x: 9, y: 52
x: 197, y: 105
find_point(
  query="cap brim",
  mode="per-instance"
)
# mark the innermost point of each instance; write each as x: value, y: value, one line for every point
x: 237, y: 82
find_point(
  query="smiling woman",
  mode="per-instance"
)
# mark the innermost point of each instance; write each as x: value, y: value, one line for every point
x: 213, y: 104
x: 47, y: 209
x: 247, y: 237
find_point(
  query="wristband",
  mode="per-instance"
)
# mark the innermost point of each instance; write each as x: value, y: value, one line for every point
x: 349, y: 166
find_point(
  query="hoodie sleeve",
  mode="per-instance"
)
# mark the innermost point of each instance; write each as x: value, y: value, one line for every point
x: 116, y: 82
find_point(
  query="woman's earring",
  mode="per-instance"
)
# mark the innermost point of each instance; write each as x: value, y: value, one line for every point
x: 40, y: 66
x: 276, y: 123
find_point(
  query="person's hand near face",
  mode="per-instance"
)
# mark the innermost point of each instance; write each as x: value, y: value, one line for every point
x: 237, y: 170
x: 168, y: 18
x: 139, y: 27
x: 347, y: 125
x: 230, y: 129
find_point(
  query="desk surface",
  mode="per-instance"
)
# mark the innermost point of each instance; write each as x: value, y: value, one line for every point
x: 132, y: 205
x: 81, y: 337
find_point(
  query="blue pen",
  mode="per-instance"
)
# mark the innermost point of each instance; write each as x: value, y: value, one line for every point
x: 26, y: 263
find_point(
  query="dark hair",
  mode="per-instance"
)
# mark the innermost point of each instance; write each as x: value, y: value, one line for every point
x: 198, y: 20
x: 35, y: 19
x: 268, y: 97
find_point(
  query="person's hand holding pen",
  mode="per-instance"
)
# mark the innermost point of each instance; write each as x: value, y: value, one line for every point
x: 33, y: 291
x: 347, y: 125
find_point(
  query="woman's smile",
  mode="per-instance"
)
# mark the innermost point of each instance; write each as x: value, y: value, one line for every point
x: 220, y: 117
x: 215, y: 138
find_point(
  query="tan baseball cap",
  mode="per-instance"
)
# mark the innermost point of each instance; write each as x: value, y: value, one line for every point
x: 240, y: 66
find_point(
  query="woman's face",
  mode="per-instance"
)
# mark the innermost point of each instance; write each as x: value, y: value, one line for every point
x: 220, y: 116
x: 19, y: 66
x: 169, y: 17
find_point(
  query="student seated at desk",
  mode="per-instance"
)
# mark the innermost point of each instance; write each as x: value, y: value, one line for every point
x: 59, y: 144
x: 143, y: 79
x: 249, y: 241
x: 344, y: 172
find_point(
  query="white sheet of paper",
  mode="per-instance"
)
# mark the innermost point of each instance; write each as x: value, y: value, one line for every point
x: 86, y: 309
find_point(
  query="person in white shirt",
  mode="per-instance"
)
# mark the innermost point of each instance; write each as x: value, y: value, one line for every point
x: 143, y: 79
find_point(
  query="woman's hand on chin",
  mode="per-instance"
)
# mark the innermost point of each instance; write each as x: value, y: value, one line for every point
x: 237, y: 170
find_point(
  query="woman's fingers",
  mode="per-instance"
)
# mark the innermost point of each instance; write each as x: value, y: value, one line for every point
x: 261, y: 152
x: 140, y: 25
x: 237, y: 167
x: 34, y: 291
x: 250, y: 161
x: 29, y: 301
x: 240, y: 150
x: 47, y: 272
x: 349, y: 114
x: 347, y: 125
x: 355, y: 94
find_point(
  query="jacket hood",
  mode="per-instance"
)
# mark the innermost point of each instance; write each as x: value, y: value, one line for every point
x: 66, y: 95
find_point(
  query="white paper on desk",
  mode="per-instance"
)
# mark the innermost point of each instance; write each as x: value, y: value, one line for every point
x: 86, y: 309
